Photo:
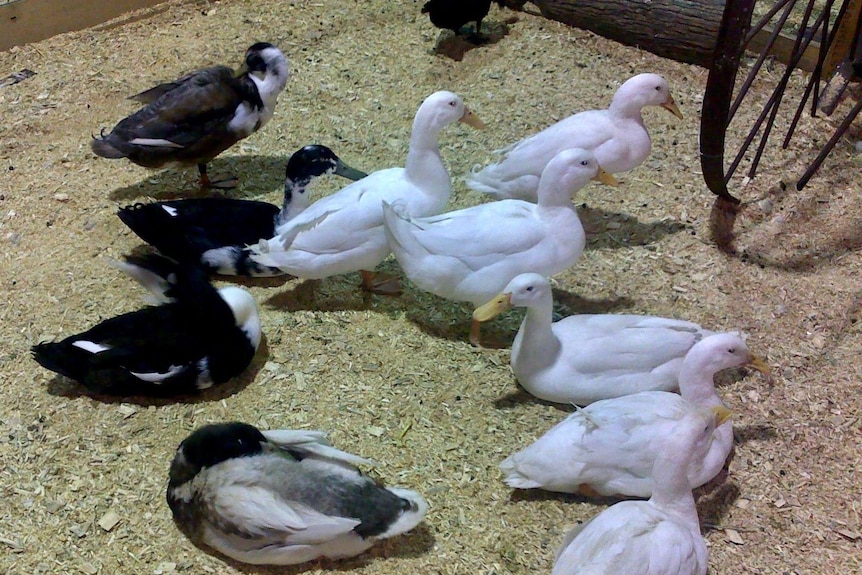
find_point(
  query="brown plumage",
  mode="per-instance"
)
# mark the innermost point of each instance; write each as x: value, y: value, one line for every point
x: 194, y: 118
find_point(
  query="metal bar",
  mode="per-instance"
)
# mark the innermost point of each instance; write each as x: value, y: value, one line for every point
x: 764, y: 20
x: 797, y: 52
x: 719, y: 90
x: 744, y: 90
x: 829, y: 145
x: 814, y: 79
x: 756, y: 68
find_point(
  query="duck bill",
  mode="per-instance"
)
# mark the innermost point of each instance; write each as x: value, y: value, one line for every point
x: 671, y: 107
x: 241, y: 71
x: 758, y: 364
x: 493, y: 308
x: 722, y: 414
x: 606, y: 178
x: 471, y: 119
x: 348, y: 172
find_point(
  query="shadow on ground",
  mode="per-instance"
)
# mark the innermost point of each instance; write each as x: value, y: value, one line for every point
x: 258, y: 175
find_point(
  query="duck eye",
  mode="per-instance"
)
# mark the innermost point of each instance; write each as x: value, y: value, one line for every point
x: 529, y: 288
x: 453, y: 103
x: 585, y: 163
x: 658, y: 88
x: 732, y: 350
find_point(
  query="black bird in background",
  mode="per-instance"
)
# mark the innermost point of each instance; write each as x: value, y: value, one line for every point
x: 454, y: 14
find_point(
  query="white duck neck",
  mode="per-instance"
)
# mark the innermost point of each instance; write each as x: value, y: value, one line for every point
x: 556, y: 189
x: 672, y: 492
x: 424, y: 165
x: 625, y: 106
x: 671, y: 487
x: 696, y: 380
x: 552, y: 198
x: 536, y: 343
x: 539, y: 319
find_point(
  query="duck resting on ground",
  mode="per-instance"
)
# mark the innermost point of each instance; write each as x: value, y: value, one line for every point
x: 610, y: 446
x: 214, y: 232
x: 198, y: 337
x: 343, y: 232
x: 660, y: 536
x: 617, y: 136
x: 588, y: 357
x: 195, y: 118
x: 281, y: 497
x: 454, y: 14
x: 471, y: 254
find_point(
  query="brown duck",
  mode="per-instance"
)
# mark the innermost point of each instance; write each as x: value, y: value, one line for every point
x: 195, y: 118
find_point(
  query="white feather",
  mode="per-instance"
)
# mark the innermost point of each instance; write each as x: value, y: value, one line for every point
x: 312, y: 442
x: 90, y: 346
x: 156, y: 377
x: 155, y: 142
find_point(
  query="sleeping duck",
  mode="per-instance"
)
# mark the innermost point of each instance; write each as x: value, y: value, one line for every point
x: 584, y: 358
x: 453, y: 14
x: 471, y: 254
x: 343, y: 232
x: 215, y: 231
x: 197, y: 338
x: 660, y: 536
x: 281, y: 497
x: 617, y: 136
x: 610, y: 446
x: 195, y: 118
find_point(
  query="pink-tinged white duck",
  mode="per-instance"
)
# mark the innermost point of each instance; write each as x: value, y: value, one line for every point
x: 617, y: 136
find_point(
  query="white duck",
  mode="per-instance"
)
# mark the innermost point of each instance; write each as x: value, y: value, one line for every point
x: 281, y: 497
x: 470, y: 254
x: 656, y: 537
x: 343, y: 232
x: 610, y: 446
x: 617, y: 136
x: 585, y: 358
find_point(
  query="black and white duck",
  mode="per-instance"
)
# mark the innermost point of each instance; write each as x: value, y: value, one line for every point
x: 195, y: 118
x: 215, y: 231
x: 281, y: 497
x: 198, y: 337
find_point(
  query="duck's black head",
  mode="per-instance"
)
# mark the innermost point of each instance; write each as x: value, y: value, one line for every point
x: 309, y: 162
x: 263, y: 57
x: 211, y: 445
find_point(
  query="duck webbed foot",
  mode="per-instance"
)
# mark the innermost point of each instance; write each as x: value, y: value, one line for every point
x: 226, y: 183
x: 475, y: 336
x: 381, y: 284
x: 477, y: 38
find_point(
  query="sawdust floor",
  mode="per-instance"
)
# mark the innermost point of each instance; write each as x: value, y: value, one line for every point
x: 394, y: 379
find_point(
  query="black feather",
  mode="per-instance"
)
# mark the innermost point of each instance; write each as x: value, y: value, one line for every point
x: 195, y: 339
x: 191, y: 229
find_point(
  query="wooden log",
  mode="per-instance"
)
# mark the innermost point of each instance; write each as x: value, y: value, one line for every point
x: 682, y: 30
